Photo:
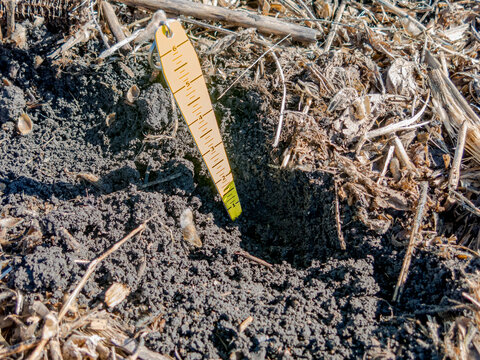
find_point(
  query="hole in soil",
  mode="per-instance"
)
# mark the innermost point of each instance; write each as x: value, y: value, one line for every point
x: 287, y: 215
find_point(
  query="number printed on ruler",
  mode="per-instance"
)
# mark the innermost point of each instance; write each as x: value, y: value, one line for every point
x: 183, y: 74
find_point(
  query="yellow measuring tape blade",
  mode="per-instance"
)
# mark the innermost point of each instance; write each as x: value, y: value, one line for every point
x: 183, y: 74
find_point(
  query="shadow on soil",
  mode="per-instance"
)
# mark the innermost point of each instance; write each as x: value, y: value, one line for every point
x: 288, y: 216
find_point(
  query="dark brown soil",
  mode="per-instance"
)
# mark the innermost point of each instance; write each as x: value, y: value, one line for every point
x: 316, y: 302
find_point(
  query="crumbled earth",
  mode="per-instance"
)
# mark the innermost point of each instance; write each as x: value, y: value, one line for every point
x: 317, y: 301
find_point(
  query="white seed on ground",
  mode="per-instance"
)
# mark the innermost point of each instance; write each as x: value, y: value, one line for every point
x: 190, y: 234
x: 132, y: 94
x: 116, y: 294
x: 24, y: 124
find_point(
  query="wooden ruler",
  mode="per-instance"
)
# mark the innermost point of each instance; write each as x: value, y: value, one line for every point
x: 183, y: 74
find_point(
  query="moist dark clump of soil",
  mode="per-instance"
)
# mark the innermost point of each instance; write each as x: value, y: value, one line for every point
x: 316, y: 301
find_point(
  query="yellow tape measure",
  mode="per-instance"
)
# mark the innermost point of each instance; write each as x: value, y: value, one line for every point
x: 183, y: 74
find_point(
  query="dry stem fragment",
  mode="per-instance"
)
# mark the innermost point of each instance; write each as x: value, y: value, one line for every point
x: 254, y: 259
x: 402, y: 154
x: 457, y: 159
x: 93, y: 265
x: 387, y: 163
x: 333, y: 31
x: 338, y: 221
x: 422, y: 200
x: 284, y: 98
x: 84, y: 34
x: 91, y: 178
x: 452, y: 108
x: 395, y: 169
x: 50, y: 329
x: 244, y: 324
x: 110, y: 119
x: 147, y: 34
x: 18, y: 348
x: 114, y: 24
x: 10, y: 9
x: 264, y: 24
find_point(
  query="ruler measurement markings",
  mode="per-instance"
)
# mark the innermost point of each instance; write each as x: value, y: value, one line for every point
x: 207, y: 112
x: 182, y: 69
x: 198, y: 77
x: 174, y: 48
x: 220, y: 171
x: 181, y: 66
x: 230, y: 197
x: 233, y: 205
x: 179, y: 90
x: 181, y: 77
x: 230, y: 200
x: 212, y: 148
x: 205, y: 134
x: 194, y: 121
x: 198, y: 98
x: 168, y: 52
x: 221, y: 179
x: 218, y: 163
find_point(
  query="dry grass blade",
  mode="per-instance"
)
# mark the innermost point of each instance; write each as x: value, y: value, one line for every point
x: 402, y: 125
x: 18, y: 348
x: 270, y: 49
x: 338, y: 221
x: 411, y: 244
x: 452, y: 108
x: 284, y: 98
x: 93, y: 265
x: 254, y: 259
x: 457, y: 159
